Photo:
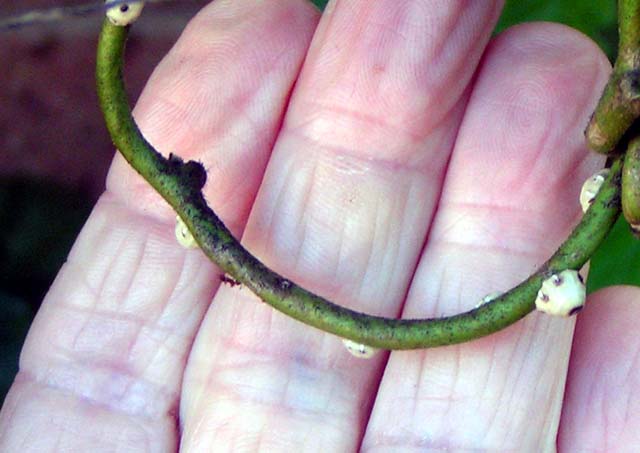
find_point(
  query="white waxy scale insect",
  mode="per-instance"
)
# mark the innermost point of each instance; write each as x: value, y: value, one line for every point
x: 488, y: 298
x: 591, y: 187
x: 562, y: 294
x: 361, y: 351
x: 184, y: 236
x: 124, y: 13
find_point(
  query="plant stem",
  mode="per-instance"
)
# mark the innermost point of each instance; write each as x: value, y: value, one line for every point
x: 619, y: 105
x: 631, y: 185
x: 180, y: 184
x: 629, y: 35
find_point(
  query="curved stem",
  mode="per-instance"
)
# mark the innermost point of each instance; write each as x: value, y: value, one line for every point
x: 180, y: 184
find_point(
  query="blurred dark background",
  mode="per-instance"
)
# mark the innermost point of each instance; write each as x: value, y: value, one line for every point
x: 55, y: 152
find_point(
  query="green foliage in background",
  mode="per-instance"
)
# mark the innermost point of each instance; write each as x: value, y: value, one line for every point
x: 595, y: 18
x: 39, y: 221
x: 617, y: 261
x: 320, y: 4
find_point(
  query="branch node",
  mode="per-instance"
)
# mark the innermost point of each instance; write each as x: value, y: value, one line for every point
x: 630, y: 86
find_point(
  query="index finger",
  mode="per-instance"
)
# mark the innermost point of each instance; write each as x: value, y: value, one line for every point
x: 102, y: 366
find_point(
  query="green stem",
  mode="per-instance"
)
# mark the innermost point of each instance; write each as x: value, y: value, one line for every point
x: 181, y: 183
x: 631, y: 185
x: 629, y: 35
x: 619, y: 105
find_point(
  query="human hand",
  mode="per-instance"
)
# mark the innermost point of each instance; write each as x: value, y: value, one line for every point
x: 404, y: 176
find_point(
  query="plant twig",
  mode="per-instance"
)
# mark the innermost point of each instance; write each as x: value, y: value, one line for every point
x: 180, y: 184
x: 619, y: 105
x: 631, y: 185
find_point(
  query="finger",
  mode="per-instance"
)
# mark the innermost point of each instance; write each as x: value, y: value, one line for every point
x: 344, y: 208
x: 103, y: 363
x: 219, y: 99
x: 510, y: 197
x: 601, y: 410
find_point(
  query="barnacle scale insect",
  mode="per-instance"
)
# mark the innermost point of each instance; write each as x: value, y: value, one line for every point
x: 362, y: 351
x: 184, y: 236
x: 562, y: 294
x: 591, y: 187
x: 124, y: 13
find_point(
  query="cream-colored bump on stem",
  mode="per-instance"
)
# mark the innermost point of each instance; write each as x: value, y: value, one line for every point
x: 361, y: 351
x: 184, y: 236
x: 124, y: 13
x: 591, y: 187
x: 488, y: 298
x: 562, y: 294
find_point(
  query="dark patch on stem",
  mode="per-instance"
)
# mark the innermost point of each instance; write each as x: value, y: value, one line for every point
x: 576, y: 310
x: 224, y: 278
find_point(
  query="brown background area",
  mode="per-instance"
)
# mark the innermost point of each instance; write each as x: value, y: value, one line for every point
x: 50, y: 125
x: 54, y: 148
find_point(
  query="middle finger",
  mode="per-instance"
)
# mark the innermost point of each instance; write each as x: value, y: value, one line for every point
x: 343, y: 209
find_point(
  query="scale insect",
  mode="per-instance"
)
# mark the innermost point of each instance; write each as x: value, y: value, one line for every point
x: 562, y: 294
x: 183, y: 235
x: 361, y: 351
x: 124, y: 14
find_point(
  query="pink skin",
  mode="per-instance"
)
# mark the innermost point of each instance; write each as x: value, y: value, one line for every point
x: 416, y: 166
